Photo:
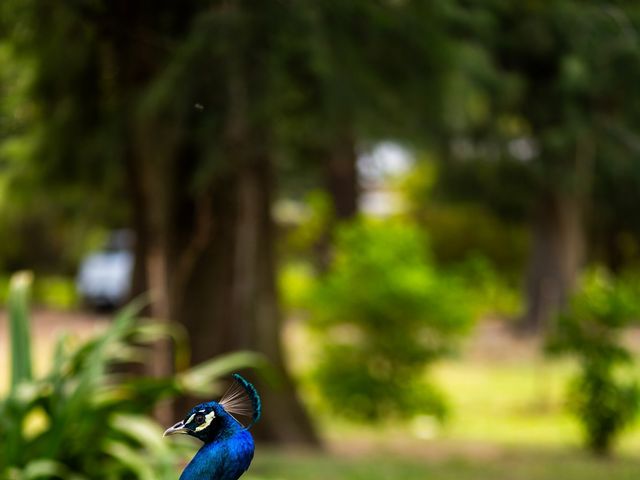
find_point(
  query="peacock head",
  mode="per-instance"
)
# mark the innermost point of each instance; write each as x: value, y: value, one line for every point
x: 207, y: 421
x: 204, y: 422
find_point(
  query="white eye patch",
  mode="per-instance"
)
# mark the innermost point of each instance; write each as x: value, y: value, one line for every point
x: 207, y: 421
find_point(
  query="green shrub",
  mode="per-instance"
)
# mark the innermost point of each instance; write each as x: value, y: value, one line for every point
x: 383, y: 313
x: 86, y: 419
x: 460, y: 226
x: 488, y: 290
x: 604, y: 396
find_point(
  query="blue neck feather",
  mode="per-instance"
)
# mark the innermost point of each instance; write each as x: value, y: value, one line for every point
x: 225, y: 455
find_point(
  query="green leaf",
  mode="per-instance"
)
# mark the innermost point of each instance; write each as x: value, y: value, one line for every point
x: 132, y: 458
x: 19, y: 292
x: 142, y: 430
x: 200, y: 380
x: 45, y: 468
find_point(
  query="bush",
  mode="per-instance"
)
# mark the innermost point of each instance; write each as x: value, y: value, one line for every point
x: 489, y: 292
x: 603, y: 396
x: 384, y: 313
x: 86, y: 419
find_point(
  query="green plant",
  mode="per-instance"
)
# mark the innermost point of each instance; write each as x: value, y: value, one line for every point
x: 384, y: 313
x: 49, y: 291
x: 604, y: 396
x: 488, y: 289
x: 86, y: 418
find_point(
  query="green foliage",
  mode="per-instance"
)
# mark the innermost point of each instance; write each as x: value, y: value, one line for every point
x: 86, y: 418
x: 384, y: 313
x: 49, y: 236
x: 19, y: 327
x: 296, y: 281
x: 604, y: 397
x: 488, y: 291
x: 538, y: 104
x: 461, y: 230
x: 56, y: 292
x: 317, y: 218
x: 50, y: 291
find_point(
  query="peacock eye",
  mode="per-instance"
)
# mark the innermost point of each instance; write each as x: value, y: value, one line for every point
x: 199, y: 418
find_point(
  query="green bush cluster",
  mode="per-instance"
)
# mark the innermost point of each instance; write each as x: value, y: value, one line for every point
x: 86, y: 418
x: 605, y: 395
x: 384, y: 313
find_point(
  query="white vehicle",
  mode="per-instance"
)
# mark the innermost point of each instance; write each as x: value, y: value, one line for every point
x: 104, y: 277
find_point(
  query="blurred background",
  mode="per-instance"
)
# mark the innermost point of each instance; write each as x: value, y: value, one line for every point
x: 414, y: 224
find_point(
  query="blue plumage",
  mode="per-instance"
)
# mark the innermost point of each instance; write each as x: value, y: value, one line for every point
x: 228, y: 446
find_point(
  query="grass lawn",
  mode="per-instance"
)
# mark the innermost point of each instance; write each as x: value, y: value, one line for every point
x: 509, y: 465
x: 501, y: 391
x: 519, y: 402
x: 508, y: 421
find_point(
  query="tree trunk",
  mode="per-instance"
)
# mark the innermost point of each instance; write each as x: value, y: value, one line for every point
x: 155, y: 146
x: 228, y: 297
x: 559, y: 242
x: 209, y: 254
x: 341, y: 183
x: 341, y: 176
x: 211, y: 266
x: 139, y: 281
x: 556, y: 255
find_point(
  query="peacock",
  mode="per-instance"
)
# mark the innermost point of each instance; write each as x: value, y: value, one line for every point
x: 228, y: 446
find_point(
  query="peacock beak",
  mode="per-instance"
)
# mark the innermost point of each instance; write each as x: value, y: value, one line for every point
x: 177, y: 428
